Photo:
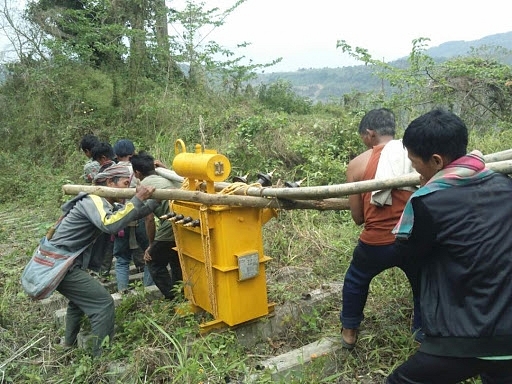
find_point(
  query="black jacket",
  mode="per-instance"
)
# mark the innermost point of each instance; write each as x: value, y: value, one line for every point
x: 462, y: 238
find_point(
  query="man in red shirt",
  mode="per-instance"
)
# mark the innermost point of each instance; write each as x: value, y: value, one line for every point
x: 378, y: 212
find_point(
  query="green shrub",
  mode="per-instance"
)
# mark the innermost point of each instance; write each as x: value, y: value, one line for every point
x: 279, y: 97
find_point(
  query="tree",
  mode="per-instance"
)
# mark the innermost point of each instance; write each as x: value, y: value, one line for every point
x: 477, y: 87
x: 207, y: 61
x: 25, y: 42
x: 89, y: 31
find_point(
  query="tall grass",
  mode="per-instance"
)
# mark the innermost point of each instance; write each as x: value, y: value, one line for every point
x: 153, y: 343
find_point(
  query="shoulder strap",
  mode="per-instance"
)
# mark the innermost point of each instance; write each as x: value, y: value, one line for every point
x: 69, y: 205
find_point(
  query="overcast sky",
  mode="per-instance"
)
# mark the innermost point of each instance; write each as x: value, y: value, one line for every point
x: 304, y: 33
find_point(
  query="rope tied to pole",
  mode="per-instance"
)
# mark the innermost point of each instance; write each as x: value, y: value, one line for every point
x: 238, y: 186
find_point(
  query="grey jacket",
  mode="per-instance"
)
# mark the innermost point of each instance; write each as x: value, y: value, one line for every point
x: 88, y: 216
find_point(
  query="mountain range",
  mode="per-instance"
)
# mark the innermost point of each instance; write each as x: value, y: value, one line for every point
x: 325, y: 84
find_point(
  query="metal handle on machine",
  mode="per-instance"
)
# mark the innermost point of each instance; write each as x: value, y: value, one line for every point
x: 179, y: 143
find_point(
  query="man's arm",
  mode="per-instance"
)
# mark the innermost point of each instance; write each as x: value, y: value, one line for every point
x: 150, y: 231
x: 150, y: 227
x: 422, y: 239
x: 100, y: 212
x: 355, y: 171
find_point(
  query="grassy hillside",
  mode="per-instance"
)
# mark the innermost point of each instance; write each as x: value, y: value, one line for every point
x: 46, y: 109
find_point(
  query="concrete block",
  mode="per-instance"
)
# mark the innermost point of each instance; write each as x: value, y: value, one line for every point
x: 111, y: 285
x: 293, y: 361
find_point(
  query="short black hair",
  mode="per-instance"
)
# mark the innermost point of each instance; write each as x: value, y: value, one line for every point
x: 437, y: 132
x: 88, y: 142
x: 102, y: 149
x: 381, y: 120
x: 144, y: 163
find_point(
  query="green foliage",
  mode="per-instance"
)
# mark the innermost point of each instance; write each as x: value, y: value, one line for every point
x: 327, y: 85
x: 28, y: 182
x: 324, y: 162
x: 279, y: 97
x: 89, y: 31
x: 475, y: 86
x: 252, y: 137
x: 51, y: 108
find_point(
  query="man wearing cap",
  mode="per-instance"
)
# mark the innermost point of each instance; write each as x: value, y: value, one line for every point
x: 129, y: 243
x: 87, y: 217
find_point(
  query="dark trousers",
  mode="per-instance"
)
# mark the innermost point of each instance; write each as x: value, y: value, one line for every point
x: 422, y: 368
x: 87, y: 297
x: 162, y: 254
x: 367, y: 262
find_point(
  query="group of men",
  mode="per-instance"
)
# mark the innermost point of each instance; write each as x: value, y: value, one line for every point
x: 450, y: 236
x: 114, y: 228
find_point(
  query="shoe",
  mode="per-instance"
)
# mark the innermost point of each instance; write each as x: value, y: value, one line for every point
x: 345, y: 344
x: 419, y: 335
x: 67, y: 347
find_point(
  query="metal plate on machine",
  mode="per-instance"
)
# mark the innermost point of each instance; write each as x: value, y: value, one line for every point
x: 248, y: 266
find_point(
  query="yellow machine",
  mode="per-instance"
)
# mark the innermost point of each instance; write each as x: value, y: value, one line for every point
x: 220, y: 247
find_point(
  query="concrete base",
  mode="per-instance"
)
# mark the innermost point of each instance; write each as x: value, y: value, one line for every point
x: 284, y: 365
x: 251, y: 333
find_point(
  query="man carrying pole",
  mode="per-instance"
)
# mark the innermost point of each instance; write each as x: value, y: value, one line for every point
x: 378, y: 211
x: 457, y: 227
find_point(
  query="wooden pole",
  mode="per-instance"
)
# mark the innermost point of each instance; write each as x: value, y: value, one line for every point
x: 498, y: 156
x: 319, y: 198
x: 338, y: 190
x: 497, y: 160
x: 210, y: 199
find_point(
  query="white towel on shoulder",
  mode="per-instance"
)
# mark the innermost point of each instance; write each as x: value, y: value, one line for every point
x: 393, y: 162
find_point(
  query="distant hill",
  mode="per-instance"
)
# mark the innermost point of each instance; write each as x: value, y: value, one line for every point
x: 461, y: 48
x: 332, y: 83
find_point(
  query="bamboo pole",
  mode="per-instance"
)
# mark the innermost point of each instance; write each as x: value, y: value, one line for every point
x: 346, y: 189
x: 498, y: 156
x: 319, y: 198
x: 339, y: 190
x: 210, y: 199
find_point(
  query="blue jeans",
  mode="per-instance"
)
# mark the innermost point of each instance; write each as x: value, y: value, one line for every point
x: 367, y: 262
x: 124, y: 255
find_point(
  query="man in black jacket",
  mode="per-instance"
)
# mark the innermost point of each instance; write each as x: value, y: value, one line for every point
x: 457, y: 226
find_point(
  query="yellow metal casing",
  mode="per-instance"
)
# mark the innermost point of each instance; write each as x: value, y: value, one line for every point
x: 222, y: 260
x: 206, y: 165
x: 221, y: 255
